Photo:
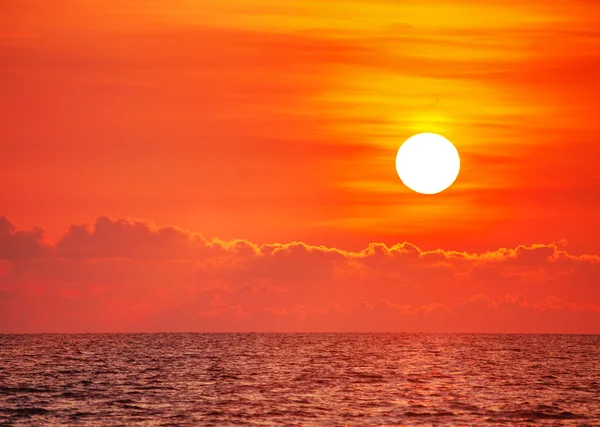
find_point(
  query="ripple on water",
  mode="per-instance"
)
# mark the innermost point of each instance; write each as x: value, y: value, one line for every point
x: 308, y: 379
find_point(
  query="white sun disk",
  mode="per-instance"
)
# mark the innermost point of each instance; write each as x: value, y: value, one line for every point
x: 427, y: 163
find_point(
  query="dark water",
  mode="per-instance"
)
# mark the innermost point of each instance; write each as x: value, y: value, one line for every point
x: 299, y: 379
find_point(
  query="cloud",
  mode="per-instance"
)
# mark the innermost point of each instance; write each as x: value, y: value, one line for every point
x: 20, y: 244
x: 134, y: 240
x: 148, y: 276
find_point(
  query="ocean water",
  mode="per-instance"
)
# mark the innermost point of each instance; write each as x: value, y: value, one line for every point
x: 299, y: 379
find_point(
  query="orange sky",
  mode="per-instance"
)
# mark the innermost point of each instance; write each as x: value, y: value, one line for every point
x: 276, y: 122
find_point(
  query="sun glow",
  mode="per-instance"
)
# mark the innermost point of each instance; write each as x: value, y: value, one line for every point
x: 427, y: 163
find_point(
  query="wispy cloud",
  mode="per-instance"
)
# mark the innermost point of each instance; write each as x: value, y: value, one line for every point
x: 293, y: 111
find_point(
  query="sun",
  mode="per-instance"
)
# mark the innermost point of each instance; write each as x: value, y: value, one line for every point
x: 427, y: 163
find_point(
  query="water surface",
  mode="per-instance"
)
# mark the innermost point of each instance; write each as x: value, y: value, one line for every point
x: 299, y: 379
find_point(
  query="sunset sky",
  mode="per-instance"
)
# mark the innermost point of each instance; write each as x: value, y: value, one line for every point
x: 228, y: 165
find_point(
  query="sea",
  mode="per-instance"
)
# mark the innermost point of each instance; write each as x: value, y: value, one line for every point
x: 256, y: 379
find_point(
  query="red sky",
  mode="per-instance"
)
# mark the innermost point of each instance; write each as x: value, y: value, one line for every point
x: 228, y: 165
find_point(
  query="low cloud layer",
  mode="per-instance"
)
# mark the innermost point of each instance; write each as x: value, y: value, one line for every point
x: 124, y: 275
